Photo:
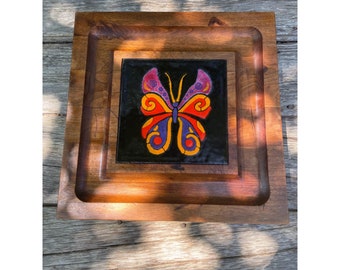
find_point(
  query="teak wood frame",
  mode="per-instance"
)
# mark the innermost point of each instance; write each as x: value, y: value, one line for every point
x: 199, y: 193
x: 230, y: 123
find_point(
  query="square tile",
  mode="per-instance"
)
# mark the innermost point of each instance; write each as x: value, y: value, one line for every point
x: 173, y: 111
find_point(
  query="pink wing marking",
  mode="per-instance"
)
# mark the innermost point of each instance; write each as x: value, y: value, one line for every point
x: 202, y: 85
x: 152, y: 84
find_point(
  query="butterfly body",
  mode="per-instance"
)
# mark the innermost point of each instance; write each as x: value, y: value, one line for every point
x: 175, y: 112
x: 165, y: 110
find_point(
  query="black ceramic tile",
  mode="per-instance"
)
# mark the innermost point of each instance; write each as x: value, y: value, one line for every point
x: 173, y: 111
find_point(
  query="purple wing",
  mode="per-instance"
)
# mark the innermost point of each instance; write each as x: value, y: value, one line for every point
x: 152, y: 84
x: 202, y: 85
x: 189, y: 137
x: 158, y: 137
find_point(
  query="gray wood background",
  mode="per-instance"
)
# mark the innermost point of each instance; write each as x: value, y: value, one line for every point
x: 161, y: 245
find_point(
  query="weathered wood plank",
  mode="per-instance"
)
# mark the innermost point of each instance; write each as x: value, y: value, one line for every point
x: 53, y: 138
x: 166, y: 245
x: 290, y: 145
x: 287, y: 56
x: 58, y: 16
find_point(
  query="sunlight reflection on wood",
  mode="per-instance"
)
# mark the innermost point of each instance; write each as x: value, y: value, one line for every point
x: 53, y: 103
x: 63, y: 13
x: 255, y: 242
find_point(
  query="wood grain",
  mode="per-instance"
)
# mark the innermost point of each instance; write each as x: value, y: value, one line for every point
x: 104, y: 252
x: 59, y: 15
x: 166, y: 245
x: 151, y: 186
x: 253, y: 41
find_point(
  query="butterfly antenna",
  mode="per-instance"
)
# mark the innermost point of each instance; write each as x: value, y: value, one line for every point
x: 180, y: 88
x: 170, y: 87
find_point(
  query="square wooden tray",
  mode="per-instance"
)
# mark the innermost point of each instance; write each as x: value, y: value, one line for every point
x: 249, y: 189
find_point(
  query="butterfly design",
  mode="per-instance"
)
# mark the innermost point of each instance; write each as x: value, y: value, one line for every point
x: 164, y: 111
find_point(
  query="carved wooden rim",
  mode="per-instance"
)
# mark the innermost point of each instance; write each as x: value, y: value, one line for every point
x: 249, y: 187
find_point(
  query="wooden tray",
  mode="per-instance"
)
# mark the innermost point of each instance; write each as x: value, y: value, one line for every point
x: 250, y: 188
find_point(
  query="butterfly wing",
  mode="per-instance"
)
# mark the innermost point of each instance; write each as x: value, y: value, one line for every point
x: 195, y: 103
x: 153, y: 104
x: 202, y: 85
x: 157, y: 132
x: 198, y: 105
x: 156, y: 103
x: 189, y: 136
x: 152, y: 84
